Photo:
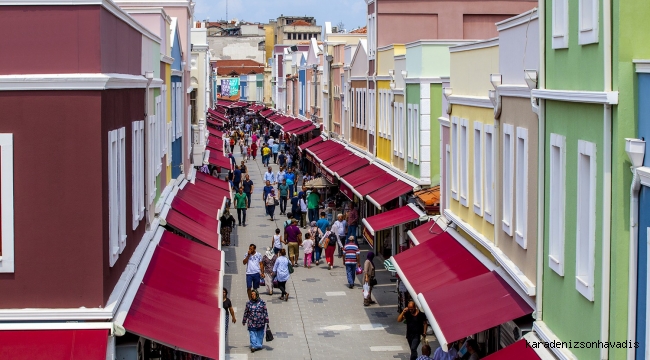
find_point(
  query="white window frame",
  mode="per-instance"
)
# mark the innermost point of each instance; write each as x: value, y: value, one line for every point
x: 416, y: 134
x: 409, y: 131
x: 151, y: 166
x: 163, y: 120
x: 390, y: 113
x: 169, y: 143
x: 395, y: 131
x: 455, y: 159
x: 380, y: 117
x: 521, y: 188
x: 489, y: 169
x: 557, y: 182
x: 464, y: 161
x: 508, y: 161
x: 588, y: 18
x: 189, y: 131
x: 478, y: 168
x: 586, y: 219
x: 402, y: 133
x: 7, y: 259
x: 116, y: 193
x: 560, y: 24
x: 137, y: 172
x: 158, y: 137
x: 364, y: 109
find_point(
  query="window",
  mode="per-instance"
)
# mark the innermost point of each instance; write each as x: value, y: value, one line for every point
x: 507, y: 181
x: 416, y: 135
x: 478, y: 170
x: 6, y: 203
x: 137, y: 172
x: 179, y: 111
x: 390, y: 116
x: 464, y: 161
x: 380, y: 120
x: 157, y: 137
x: 588, y: 22
x: 560, y: 24
x: 364, y: 109
x: 151, y: 166
x: 163, y: 121
x: 521, y: 188
x: 557, y: 174
x: 116, y: 193
x: 402, y: 133
x: 586, y: 219
x: 488, y: 205
x: 454, y: 157
x: 409, y: 131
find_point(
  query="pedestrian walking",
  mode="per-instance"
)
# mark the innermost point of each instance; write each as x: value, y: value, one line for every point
x: 266, y: 154
x: 282, y: 159
x: 316, y: 234
x: 351, y: 260
x: 230, y: 312
x: 369, y: 277
x: 281, y: 273
x: 271, y: 201
x: 270, y: 177
x: 227, y: 222
x: 295, y: 205
x: 294, y: 238
x: 452, y: 351
x: 277, y: 241
x: 257, y: 317
x: 353, y: 222
x: 283, y: 189
x: 236, y: 177
x: 241, y: 145
x: 416, y: 326
x: 308, y: 249
x: 248, y: 186
x: 232, y: 143
x: 303, y: 211
x: 241, y: 203
x: 291, y: 181
x: 266, y: 190
x: 313, y: 202
x: 253, y: 262
x: 275, y: 149
x: 330, y: 246
x: 254, y: 149
x: 341, y: 230
x: 268, y: 263
x: 279, y: 176
x: 243, y: 168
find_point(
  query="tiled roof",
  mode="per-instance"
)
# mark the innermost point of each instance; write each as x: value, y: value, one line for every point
x: 300, y: 23
x: 362, y: 30
x: 238, y: 67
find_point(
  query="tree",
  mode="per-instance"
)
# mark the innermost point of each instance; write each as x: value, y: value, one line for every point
x: 340, y: 26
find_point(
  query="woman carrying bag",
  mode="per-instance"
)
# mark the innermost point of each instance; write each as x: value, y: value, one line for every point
x: 271, y: 202
x: 257, y: 317
x: 329, y: 244
x: 316, y: 235
x: 282, y: 273
x: 369, y: 278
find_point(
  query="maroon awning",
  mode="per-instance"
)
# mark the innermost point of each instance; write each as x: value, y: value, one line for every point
x: 382, y: 196
x: 391, y: 218
x: 312, y: 142
x: 374, y: 184
x: 424, y: 232
x: 305, y: 130
x: 354, y: 161
x: 195, y: 214
x: 520, y: 350
x: 363, y: 175
x: 190, y: 227
x: 86, y: 344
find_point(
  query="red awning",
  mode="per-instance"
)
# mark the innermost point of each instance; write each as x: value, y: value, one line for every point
x: 216, y: 133
x: 439, y: 262
x: 382, y: 196
x: 83, y: 344
x: 202, y: 197
x: 343, y: 173
x: 267, y: 113
x: 177, y: 303
x: 304, y: 130
x: 192, y: 228
x: 217, y: 159
x: 520, y: 350
x: 222, y: 184
x: 341, y: 156
x: 424, y: 232
x: 295, y: 125
x: 471, y: 306
x: 374, y: 184
x: 320, y: 147
x: 349, y: 161
x: 312, y: 142
x: 329, y: 152
x: 195, y: 214
x: 363, y: 175
x: 391, y: 218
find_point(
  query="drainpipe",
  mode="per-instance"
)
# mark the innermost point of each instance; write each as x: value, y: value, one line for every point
x: 634, y: 249
x: 541, y: 154
x: 607, y: 180
x: 149, y: 76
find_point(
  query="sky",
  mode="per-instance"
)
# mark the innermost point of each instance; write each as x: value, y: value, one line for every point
x: 351, y: 12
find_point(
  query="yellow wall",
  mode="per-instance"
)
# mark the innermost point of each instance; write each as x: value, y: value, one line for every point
x: 470, y: 71
x: 384, y: 147
x: 268, y: 41
x: 467, y: 214
x: 386, y: 58
x: 397, y: 162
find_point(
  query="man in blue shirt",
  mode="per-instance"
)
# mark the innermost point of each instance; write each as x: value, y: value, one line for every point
x: 290, y: 176
x: 282, y: 159
x: 267, y: 190
x: 275, y: 148
x: 236, y: 179
x: 269, y: 176
x: 322, y: 223
x: 279, y: 176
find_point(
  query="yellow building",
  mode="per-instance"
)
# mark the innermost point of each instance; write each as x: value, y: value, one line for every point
x: 384, y: 97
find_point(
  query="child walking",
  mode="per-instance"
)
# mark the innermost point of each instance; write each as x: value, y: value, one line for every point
x: 308, y: 246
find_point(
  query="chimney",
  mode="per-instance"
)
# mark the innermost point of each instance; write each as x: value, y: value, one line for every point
x: 198, y: 24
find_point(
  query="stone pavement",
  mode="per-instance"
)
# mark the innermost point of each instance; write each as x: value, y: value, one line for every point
x: 323, y: 319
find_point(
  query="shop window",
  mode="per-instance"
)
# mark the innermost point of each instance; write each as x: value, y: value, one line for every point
x: 116, y: 193
x: 507, y: 181
x: 488, y: 205
x: 478, y: 170
x: 557, y: 177
x: 464, y: 161
x: 454, y: 157
x: 6, y: 203
x: 521, y: 188
x: 560, y: 19
x: 137, y: 169
x: 588, y: 21
x: 586, y: 219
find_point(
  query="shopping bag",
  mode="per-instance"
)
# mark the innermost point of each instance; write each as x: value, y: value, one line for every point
x: 262, y: 282
x: 366, y: 290
x: 275, y: 282
x: 359, y: 270
x: 269, y: 334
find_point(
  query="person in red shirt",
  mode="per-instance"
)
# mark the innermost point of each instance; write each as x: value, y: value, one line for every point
x: 254, y: 150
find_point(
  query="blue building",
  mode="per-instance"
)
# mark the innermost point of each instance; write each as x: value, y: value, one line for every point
x: 177, y: 101
x: 302, y: 75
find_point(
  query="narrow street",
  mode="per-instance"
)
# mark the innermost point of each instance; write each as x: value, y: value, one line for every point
x: 323, y: 319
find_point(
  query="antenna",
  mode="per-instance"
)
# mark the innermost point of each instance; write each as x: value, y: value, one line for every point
x: 227, y: 20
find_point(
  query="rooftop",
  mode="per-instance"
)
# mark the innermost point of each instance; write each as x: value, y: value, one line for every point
x: 363, y: 30
x: 237, y: 67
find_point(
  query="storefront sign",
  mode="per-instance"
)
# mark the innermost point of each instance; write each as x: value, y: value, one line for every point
x: 345, y: 190
x: 369, y: 238
x: 328, y: 176
x: 310, y: 157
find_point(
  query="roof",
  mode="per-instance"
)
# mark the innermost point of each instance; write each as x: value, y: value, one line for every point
x: 363, y: 30
x: 238, y: 67
x: 300, y: 23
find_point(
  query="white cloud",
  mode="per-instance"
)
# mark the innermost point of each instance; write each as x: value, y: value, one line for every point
x: 351, y: 12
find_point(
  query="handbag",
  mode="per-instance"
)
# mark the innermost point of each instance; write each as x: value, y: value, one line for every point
x: 290, y: 268
x: 269, y: 334
x: 262, y: 282
x: 276, y: 202
x: 373, y: 282
x: 275, y: 283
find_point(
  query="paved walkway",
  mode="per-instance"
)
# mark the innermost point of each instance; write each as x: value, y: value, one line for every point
x: 323, y: 319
